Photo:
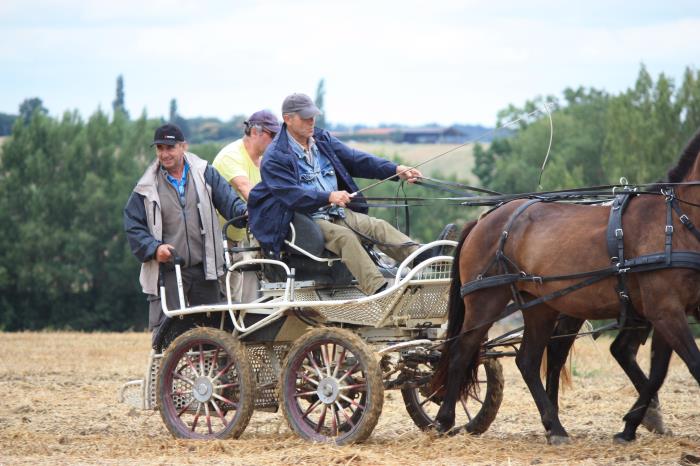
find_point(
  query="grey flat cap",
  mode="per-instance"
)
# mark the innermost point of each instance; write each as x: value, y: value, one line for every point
x: 301, y: 104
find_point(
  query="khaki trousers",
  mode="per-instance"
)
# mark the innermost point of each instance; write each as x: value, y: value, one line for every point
x: 342, y: 241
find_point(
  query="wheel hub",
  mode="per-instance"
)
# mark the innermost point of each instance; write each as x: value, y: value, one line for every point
x: 328, y: 390
x: 202, y: 389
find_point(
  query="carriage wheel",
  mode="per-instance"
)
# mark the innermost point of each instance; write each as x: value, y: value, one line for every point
x: 205, y: 386
x: 476, y: 413
x: 331, y: 387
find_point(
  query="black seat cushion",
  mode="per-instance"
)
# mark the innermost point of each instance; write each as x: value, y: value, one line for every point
x: 310, y: 238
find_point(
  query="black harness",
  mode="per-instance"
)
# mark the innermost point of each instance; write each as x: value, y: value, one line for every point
x: 509, y: 273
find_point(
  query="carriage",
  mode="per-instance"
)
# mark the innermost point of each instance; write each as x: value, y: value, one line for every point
x: 323, y: 351
x: 312, y: 344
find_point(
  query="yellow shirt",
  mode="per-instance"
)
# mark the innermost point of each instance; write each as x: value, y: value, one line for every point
x: 232, y: 161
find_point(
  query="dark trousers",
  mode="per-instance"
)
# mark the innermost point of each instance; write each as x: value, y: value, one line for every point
x: 196, y: 288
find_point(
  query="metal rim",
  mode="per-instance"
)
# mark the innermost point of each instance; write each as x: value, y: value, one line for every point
x: 202, y: 393
x: 330, y: 389
x: 474, y: 412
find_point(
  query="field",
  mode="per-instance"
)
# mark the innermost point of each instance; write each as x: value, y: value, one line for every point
x: 60, y: 407
x: 458, y: 161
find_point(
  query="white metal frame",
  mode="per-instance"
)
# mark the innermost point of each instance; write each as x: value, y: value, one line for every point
x: 275, y: 308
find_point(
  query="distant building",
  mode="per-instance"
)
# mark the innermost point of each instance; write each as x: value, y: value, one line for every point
x: 425, y: 135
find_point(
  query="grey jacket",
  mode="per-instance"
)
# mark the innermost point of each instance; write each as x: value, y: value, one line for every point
x: 143, y: 222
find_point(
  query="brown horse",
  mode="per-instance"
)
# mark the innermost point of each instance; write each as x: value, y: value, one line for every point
x: 553, y: 239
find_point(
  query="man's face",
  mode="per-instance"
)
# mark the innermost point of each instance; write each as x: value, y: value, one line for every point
x: 262, y: 138
x: 301, y: 128
x: 171, y: 157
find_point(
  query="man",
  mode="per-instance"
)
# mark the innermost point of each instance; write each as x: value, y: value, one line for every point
x: 239, y: 163
x: 306, y: 169
x: 171, y: 208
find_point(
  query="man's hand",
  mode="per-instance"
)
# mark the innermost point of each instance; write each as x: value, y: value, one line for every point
x: 340, y: 198
x: 163, y: 253
x: 408, y: 173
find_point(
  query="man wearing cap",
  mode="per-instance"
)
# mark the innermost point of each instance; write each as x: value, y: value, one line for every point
x: 305, y: 169
x: 239, y: 163
x: 173, y: 207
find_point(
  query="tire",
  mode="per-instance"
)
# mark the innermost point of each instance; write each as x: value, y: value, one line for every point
x: 193, y: 402
x: 331, y: 387
x: 476, y: 413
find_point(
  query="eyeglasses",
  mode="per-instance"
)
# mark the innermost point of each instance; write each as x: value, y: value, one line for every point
x: 272, y: 134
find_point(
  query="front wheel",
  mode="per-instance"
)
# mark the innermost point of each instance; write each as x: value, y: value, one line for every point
x: 205, y: 386
x: 476, y: 413
x: 331, y: 387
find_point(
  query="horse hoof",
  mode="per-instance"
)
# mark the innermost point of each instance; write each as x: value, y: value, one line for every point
x: 558, y: 440
x: 620, y: 439
x: 653, y: 421
x: 441, y: 429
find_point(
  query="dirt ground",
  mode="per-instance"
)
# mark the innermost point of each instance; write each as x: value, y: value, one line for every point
x: 60, y: 407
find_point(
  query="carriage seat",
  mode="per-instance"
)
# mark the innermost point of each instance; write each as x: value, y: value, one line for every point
x: 308, y: 236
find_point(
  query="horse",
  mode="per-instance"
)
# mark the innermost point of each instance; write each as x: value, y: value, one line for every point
x: 536, y: 240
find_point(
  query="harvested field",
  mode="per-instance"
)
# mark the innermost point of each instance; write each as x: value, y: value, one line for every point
x: 458, y: 161
x: 60, y: 407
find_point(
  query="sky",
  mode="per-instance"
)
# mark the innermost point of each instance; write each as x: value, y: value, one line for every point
x: 408, y: 62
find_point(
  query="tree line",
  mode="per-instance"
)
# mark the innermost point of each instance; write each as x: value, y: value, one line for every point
x: 598, y: 137
x: 64, y: 259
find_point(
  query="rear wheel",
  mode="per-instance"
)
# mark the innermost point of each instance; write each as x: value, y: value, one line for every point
x: 331, y: 387
x: 475, y: 413
x: 205, y: 386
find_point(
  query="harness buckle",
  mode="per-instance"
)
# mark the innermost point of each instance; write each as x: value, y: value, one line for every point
x: 505, y: 234
x: 669, y: 229
x: 684, y: 219
x: 623, y: 296
x: 618, y: 233
x: 537, y: 280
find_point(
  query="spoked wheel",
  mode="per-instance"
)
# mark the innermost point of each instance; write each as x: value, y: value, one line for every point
x: 475, y: 413
x: 331, y: 387
x: 205, y: 386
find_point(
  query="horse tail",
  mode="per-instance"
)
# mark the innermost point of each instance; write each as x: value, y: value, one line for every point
x: 566, y: 379
x: 455, y: 314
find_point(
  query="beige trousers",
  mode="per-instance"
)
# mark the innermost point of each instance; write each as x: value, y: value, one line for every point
x: 342, y: 241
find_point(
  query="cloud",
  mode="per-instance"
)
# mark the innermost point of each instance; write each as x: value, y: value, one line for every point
x: 407, y: 61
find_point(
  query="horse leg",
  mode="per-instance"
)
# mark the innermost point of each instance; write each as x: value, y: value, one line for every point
x: 482, y: 309
x: 558, y: 349
x: 539, y: 325
x: 675, y: 330
x: 660, y: 358
x: 624, y: 349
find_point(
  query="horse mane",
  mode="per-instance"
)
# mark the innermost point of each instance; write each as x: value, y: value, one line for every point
x: 686, y: 161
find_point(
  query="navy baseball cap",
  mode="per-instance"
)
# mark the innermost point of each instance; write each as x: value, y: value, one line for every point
x: 266, y: 119
x: 168, y: 135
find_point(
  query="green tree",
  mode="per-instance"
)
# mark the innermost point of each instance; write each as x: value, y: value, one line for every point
x: 320, y: 96
x: 6, y: 122
x: 118, y: 104
x: 643, y: 136
x: 688, y: 103
x: 173, y: 110
x: 64, y: 257
x: 29, y: 106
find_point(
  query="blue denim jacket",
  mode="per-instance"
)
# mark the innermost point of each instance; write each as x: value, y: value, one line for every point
x: 319, y: 175
x: 274, y: 200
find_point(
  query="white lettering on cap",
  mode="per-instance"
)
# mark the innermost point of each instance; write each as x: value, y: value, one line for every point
x: 169, y: 137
